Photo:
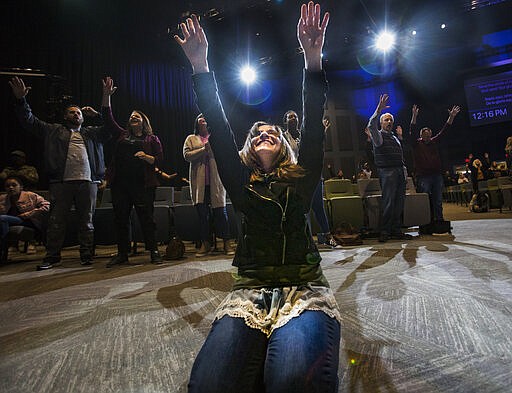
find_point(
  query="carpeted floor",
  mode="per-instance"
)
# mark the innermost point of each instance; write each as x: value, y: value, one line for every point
x: 430, y: 315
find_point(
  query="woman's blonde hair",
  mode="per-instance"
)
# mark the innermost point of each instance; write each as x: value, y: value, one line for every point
x: 146, y: 125
x: 285, y: 164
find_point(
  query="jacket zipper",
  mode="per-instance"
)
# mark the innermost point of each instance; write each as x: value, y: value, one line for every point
x: 283, y: 217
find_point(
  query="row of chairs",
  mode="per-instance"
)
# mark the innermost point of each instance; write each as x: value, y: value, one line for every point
x: 359, y: 204
x: 498, y: 189
x: 174, y: 214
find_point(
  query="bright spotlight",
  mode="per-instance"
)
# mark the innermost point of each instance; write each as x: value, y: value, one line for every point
x: 443, y: 26
x: 247, y: 75
x: 385, y: 41
x: 414, y: 32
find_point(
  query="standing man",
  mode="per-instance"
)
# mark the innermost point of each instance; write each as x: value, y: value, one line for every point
x: 75, y: 165
x: 293, y: 136
x: 389, y: 160
x: 427, y: 161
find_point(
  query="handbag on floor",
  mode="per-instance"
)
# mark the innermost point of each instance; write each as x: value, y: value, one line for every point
x: 175, y: 249
x: 346, y: 235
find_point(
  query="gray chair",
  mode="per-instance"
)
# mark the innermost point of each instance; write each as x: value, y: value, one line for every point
x: 495, y: 194
x: 344, y: 206
x: 505, y: 186
x: 370, y: 192
x: 164, y: 196
x: 416, y: 206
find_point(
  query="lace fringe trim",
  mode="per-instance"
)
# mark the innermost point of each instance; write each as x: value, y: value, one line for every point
x: 257, y: 318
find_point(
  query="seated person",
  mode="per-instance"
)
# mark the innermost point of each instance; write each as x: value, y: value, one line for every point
x: 462, y: 178
x: 18, y: 168
x: 18, y: 207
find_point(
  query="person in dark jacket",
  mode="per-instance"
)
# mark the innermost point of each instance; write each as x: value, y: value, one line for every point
x: 292, y: 135
x: 427, y: 160
x: 278, y: 330
x: 132, y: 177
x: 389, y: 160
x: 75, y: 166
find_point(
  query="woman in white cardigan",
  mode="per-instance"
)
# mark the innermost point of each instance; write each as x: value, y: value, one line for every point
x: 206, y: 189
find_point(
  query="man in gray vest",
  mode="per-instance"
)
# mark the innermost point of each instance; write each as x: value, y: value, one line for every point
x: 389, y: 160
x: 74, y: 164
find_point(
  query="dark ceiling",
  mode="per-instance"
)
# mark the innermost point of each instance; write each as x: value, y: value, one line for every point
x: 258, y: 31
x: 264, y: 31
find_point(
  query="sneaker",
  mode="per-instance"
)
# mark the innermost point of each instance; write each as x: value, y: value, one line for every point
x: 156, y: 258
x: 383, y: 237
x: 228, y: 247
x: 86, y: 262
x: 45, y: 265
x: 204, y: 249
x: 119, y: 259
x: 331, y: 241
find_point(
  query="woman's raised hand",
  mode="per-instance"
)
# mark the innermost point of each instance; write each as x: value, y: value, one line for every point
x: 194, y: 44
x: 311, y: 35
x: 108, y: 86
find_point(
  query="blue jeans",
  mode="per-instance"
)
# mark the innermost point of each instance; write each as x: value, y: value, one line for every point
x: 301, y: 356
x: 392, y: 184
x: 433, y: 186
x: 318, y: 207
x: 5, y: 222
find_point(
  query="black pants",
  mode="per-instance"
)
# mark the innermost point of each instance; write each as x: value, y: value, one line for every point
x: 62, y: 196
x: 124, y: 197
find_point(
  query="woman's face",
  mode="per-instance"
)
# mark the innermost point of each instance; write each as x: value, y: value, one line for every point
x: 135, y: 120
x: 267, y: 144
x: 12, y: 187
x: 202, y: 126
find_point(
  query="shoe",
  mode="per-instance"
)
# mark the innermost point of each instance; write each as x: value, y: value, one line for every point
x: 156, y: 258
x: 86, y: 262
x: 331, y: 241
x: 383, y: 237
x: 45, y: 265
x: 327, y: 240
x: 204, y: 249
x: 228, y: 247
x: 119, y: 259
x: 401, y: 236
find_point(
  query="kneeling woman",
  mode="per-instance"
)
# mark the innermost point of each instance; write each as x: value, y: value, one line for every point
x: 278, y: 330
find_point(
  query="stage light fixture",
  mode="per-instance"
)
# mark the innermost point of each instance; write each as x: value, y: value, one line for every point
x: 247, y: 75
x: 385, y: 41
x: 414, y: 32
x: 443, y: 26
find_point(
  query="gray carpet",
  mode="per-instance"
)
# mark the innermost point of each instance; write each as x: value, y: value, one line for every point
x: 429, y: 315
